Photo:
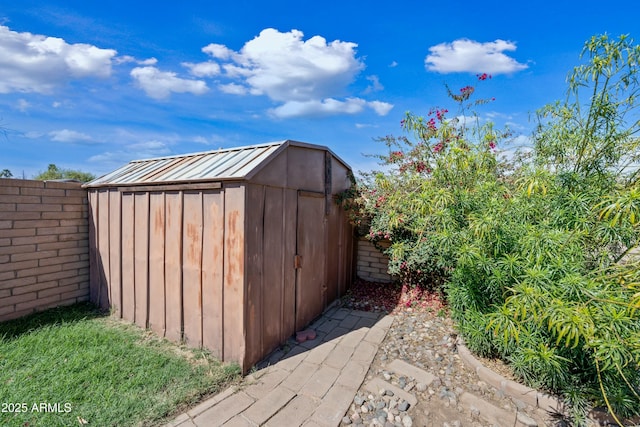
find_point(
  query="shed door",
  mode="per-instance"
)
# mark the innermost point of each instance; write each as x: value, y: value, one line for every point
x: 310, y: 263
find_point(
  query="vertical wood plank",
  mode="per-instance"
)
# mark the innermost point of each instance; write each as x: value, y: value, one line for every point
x: 234, y: 264
x: 156, y: 263
x: 310, y: 278
x: 128, y: 280
x: 213, y: 271
x: 273, y: 250
x: 141, y: 262
x: 94, y: 258
x: 103, y: 248
x: 289, y: 225
x: 334, y: 252
x: 173, y: 265
x: 254, y: 218
x: 192, y: 268
x: 115, y: 255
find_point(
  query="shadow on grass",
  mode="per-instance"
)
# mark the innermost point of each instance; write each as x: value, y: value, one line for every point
x: 15, y: 328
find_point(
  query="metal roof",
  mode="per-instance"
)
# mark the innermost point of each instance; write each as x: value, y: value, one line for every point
x: 236, y: 163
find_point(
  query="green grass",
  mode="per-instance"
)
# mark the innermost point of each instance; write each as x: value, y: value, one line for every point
x: 98, y: 369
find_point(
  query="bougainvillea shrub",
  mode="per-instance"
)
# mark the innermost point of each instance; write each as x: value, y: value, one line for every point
x: 531, y: 253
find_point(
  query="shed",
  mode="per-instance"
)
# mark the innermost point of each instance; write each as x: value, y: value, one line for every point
x: 233, y: 250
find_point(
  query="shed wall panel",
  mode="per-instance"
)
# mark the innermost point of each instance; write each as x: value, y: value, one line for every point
x: 334, y: 253
x: 339, y: 177
x: 94, y: 254
x: 273, y: 261
x: 305, y: 169
x: 173, y: 265
x: 192, y: 268
x: 128, y: 255
x: 311, y: 276
x: 289, y: 223
x: 141, y: 263
x: 234, y: 274
x: 254, y: 231
x: 115, y: 255
x: 156, y: 263
x: 212, y: 271
x: 215, y: 266
x: 274, y: 173
x: 103, y: 248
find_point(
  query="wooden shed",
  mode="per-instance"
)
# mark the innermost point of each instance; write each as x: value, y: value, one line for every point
x: 233, y: 250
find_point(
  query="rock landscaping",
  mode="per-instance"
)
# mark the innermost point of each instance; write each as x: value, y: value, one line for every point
x: 418, y: 377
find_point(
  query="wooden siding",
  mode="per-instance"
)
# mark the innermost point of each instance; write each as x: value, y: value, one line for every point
x: 149, y: 263
x: 214, y: 267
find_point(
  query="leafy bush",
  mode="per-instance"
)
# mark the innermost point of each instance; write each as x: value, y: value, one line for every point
x: 530, y: 253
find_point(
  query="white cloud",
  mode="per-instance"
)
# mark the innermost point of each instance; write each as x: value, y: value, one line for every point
x: 381, y: 108
x: 307, y: 77
x: 393, y: 64
x: 148, y: 61
x: 138, y: 150
x: 375, y: 85
x: 325, y: 107
x: 466, y: 55
x: 159, y: 84
x: 22, y: 105
x: 233, y: 89
x: 219, y: 51
x: 128, y: 58
x: 152, y: 148
x: 36, y: 63
x: 203, y: 69
x: 66, y: 135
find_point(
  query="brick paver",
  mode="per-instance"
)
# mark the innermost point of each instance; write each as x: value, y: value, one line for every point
x: 218, y: 414
x: 312, y: 384
x: 268, y: 406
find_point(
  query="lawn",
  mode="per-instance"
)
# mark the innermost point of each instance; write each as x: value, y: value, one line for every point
x: 74, y: 365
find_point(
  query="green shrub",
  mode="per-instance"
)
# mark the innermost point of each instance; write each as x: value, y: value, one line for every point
x: 531, y: 254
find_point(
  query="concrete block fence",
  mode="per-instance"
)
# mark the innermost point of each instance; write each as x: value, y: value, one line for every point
x: 372, y: 264
x: 44, y: 239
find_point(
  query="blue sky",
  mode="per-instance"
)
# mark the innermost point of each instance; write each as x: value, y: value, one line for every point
x: 92, y: 85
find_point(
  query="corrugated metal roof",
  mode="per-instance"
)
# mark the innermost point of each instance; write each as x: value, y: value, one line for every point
x: 224, y: 164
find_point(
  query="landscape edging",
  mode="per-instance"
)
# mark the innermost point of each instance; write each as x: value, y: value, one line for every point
x: 510, y: 388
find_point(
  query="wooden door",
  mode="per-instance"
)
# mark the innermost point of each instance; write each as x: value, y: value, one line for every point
x: 310, y: 258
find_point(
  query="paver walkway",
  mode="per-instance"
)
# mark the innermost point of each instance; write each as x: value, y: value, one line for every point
x: 313, y: 384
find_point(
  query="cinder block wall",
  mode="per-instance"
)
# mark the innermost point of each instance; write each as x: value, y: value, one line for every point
x: 372, y: 264
x: 44, y: 239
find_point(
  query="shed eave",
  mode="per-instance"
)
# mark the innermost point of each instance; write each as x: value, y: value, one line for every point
x: 163, y: 183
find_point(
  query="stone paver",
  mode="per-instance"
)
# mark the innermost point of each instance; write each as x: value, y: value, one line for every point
x: 263, y: 384
x: 295, y: 413
x: 218, y: 414
x: 352, y: 375
x: 402, y: 367
x: 339, y: 356
x: 321, y: 381
x: 298, y: 378
x: 312, y: 384
x: 377, y: 384
x: 268, y: 406
x: 320, y: 353
x: 331, y: 411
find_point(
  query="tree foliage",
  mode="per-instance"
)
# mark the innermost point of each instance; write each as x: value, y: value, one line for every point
x: 533, y: 254
x: 6, y: 173
x: 54, y: 172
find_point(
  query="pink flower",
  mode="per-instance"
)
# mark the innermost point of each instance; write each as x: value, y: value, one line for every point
x: 483, y: 76
x: 492, y: 145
